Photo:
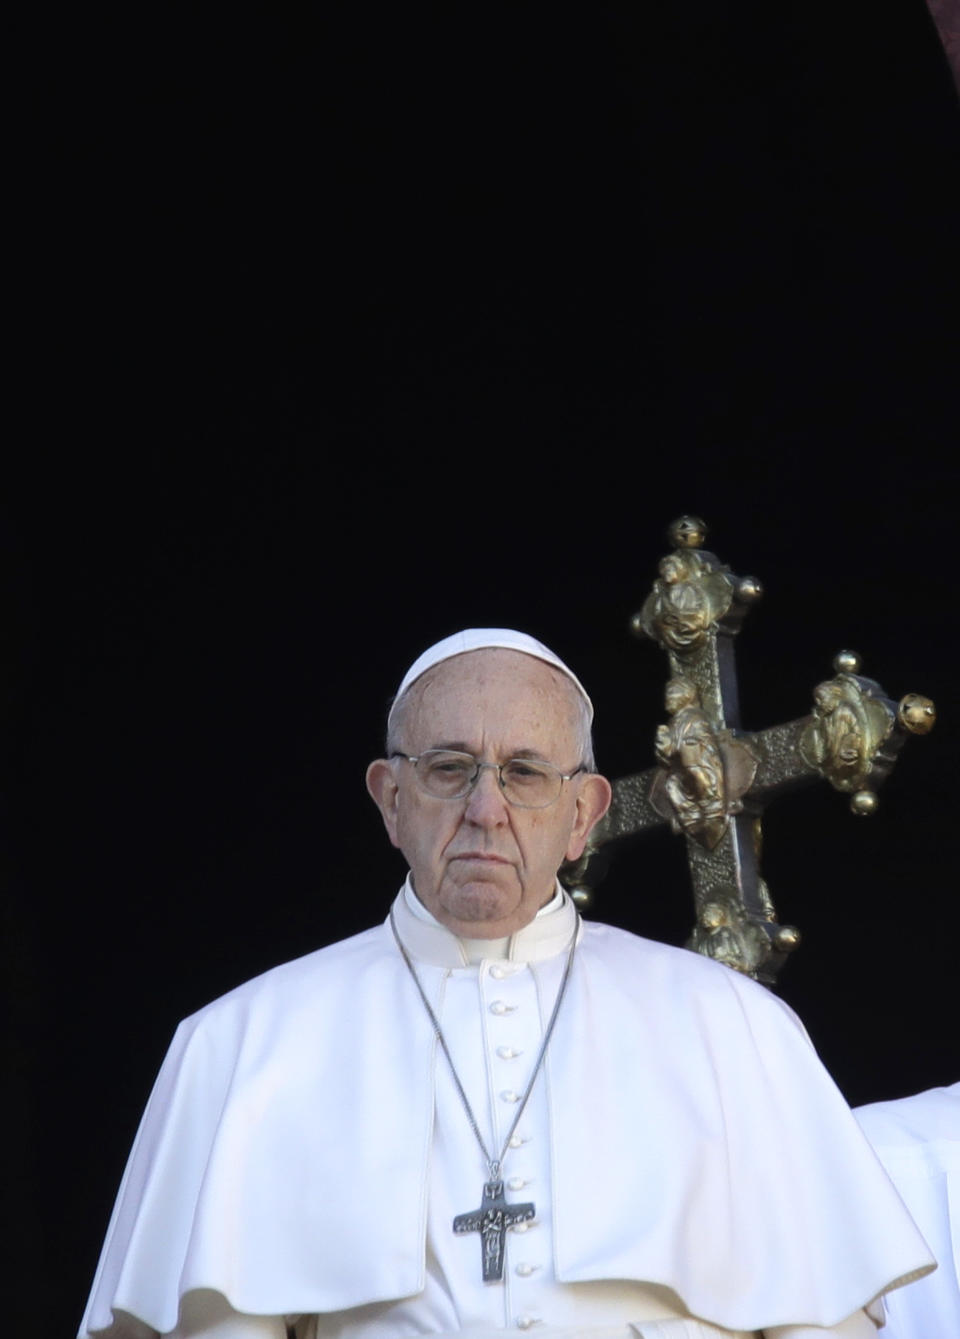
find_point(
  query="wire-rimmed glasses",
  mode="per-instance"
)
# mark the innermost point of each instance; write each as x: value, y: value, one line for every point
x: 527, y: 783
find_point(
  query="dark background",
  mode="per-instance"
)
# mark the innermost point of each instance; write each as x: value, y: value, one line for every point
x: 343, y: 333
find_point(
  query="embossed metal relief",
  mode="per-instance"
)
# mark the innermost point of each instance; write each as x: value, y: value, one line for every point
x: 688, y: 597
x: 848, y: 727
x: 712, y: 780
x: 703, y: 771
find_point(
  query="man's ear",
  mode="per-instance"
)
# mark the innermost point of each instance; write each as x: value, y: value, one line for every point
x: 593, y: 801
x: 382, y: 785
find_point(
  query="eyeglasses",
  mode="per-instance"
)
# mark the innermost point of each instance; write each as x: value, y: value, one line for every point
x: 526, y: 783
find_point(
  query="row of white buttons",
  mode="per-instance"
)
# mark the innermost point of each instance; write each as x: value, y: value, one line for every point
x: 525, y: 1269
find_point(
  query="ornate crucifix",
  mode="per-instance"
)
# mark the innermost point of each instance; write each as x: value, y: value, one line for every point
x: 491, y: 1220
x: 713, y: 780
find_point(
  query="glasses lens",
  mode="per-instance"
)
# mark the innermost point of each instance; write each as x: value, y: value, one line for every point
x: 447, y: 775
x: 532, y: 785
x: 529, y: 785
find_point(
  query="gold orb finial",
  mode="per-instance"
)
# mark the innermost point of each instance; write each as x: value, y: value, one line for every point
x: 846, y: 662
x: 687, y: 532
x: 917, y: 714
x: 582, y: 897
x: 749, y: 589
x: 864, y: 803
x: 787, y: 938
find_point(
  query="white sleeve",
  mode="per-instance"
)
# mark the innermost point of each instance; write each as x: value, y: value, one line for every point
x: 857, y: 1326
x: 205, y: 1314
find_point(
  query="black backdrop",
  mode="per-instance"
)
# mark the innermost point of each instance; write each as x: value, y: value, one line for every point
x: 341, y: 334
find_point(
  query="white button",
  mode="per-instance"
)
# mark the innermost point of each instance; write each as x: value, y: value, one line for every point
x: 508, y: 1053
x: 508, y: 1095
x: 500, y: 1007
x: 522, y: 1227
x: 497, y: 972
x: 517, y: 1140
x: 516, y: 1183
x: 525, y: 1270
x: 527, y: 1322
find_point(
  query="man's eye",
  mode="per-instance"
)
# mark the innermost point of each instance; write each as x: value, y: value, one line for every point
x: 523, y: 771
x: 450, y: 767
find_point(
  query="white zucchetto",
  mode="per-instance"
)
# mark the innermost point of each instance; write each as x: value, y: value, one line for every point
x: 484, y: 639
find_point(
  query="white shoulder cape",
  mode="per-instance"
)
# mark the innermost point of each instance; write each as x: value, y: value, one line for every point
x: 283, y: 1158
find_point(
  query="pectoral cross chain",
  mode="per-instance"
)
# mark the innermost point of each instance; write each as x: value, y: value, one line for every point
x: 491, y: 1220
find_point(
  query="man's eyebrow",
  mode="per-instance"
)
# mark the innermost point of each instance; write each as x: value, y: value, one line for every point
x: 458, y: 746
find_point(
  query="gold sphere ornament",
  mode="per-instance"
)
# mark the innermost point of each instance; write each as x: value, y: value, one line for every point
x: 582, y: 897
x: 713, y: 916
x: 687, y: 532
x: 864, y: 803
x: 846, y: 662
x: 636, y: 624
x: 787, y: 938
x: 749, y: 589
x: 917, y: 714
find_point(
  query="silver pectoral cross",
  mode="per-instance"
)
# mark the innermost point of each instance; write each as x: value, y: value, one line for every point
x: 491, y: 1220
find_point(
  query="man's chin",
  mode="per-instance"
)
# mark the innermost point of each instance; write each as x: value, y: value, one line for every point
x: 480, y: 909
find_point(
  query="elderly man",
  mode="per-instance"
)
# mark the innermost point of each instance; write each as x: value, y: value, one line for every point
x: 484, y: 1115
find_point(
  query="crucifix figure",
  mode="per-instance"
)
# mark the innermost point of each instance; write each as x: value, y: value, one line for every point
x: 491, y: 1220
x: 713, y: 780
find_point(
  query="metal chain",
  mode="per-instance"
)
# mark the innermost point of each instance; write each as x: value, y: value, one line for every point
x: 494, y: 1164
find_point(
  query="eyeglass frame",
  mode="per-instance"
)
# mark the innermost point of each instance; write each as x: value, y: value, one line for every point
x: 496, y: 767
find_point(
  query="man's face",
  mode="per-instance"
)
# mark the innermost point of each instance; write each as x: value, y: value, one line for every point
x: 483, y: 867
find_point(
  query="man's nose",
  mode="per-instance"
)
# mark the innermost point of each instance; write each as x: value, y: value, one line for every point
x: 487, y: 805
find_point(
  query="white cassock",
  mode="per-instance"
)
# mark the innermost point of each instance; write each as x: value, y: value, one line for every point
x: 695, y: 1171
x: 918, y: 1141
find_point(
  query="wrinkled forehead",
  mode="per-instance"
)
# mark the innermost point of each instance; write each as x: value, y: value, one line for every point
x: 516, y: 697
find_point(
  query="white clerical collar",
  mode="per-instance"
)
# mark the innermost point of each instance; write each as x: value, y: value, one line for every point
x: 426, y: 939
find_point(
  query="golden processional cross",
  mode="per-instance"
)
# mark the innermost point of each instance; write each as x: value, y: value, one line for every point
x: 712, y: 780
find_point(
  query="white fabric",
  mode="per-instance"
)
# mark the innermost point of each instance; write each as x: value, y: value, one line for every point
x: 858, y: 1326
x: 695, y: 1144
x: 918, y: 1141
x: 208, y: 1315
x: 484, y: 639
x: 495, y: 1015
